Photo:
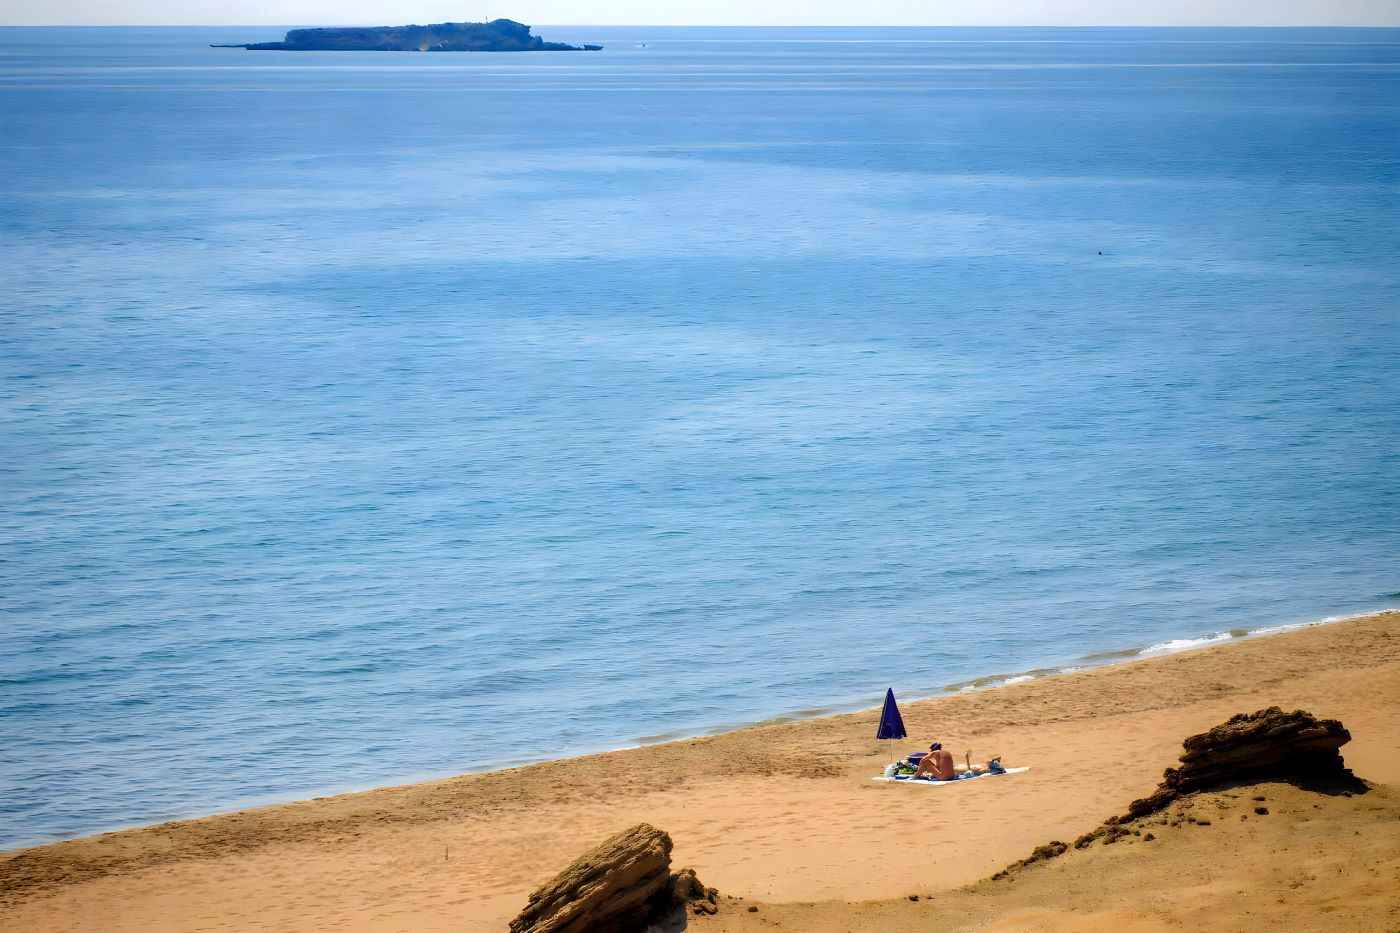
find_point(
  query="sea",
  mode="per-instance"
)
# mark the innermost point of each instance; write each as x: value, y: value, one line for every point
x: 369, y: 417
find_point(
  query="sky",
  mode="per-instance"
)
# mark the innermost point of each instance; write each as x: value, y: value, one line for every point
x: 710, y: 12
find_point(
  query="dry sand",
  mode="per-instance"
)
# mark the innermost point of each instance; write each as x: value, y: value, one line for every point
x: 1311, y: 863
x: 786, y: 814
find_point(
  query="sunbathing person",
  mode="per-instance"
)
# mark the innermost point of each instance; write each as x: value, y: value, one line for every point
x: 994, y: 766
x: 936, y: 765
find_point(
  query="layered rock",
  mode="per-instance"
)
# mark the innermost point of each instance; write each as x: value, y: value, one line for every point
x: 1267, y: 745
x: 621, y: 886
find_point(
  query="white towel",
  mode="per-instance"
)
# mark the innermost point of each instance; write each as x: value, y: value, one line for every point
x: 923, y: 783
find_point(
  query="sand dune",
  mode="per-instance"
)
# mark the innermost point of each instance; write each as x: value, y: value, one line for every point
x: 1313, y: 862
x: 786, y: 814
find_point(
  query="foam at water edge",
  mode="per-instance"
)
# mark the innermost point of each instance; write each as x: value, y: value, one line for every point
x: 1275, y: 629
x: 1156, y: 650
x: 1183, y: 644
x: 1186, y: 644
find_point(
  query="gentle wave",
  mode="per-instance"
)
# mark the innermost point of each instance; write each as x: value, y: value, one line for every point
x: 1160, y: 649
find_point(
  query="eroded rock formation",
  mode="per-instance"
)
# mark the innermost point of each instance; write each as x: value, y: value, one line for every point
x: 1267, y: 745
x: 621, y: 886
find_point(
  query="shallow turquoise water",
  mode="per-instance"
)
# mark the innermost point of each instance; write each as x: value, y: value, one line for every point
x: 372, y: 416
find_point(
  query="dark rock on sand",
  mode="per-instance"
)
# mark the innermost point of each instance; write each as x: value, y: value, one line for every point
x: 622, y: 886
x: 1267, y: 745
x: 1042, y: 853
x: 685, y: 887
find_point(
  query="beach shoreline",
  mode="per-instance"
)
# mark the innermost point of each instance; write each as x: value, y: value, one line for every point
x: 472, y: 846
x: 1091, y: 661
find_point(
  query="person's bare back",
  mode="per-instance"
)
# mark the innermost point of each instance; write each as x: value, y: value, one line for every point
x: 937, y: 764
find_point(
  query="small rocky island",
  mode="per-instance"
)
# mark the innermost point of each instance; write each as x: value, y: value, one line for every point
x: 500, y: 35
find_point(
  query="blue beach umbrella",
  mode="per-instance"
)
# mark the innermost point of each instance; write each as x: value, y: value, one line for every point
x: 891, y: 723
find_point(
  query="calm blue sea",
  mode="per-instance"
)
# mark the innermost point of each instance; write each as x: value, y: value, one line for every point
x: 366, y: 417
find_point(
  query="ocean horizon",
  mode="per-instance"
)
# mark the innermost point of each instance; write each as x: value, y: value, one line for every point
x: 378, y: 416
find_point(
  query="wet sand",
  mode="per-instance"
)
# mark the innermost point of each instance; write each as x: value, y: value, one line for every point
x: 779, y: 814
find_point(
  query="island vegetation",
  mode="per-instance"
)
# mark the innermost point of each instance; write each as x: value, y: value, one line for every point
x: 500, y: 35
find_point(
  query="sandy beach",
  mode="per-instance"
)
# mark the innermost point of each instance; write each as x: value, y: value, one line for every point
x: 780, y: 814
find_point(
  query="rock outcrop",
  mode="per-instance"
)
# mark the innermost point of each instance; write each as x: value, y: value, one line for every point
x: 1267, y: 745
x: 621, y: 886
x: 687, y: 890
x: 1041, y: 854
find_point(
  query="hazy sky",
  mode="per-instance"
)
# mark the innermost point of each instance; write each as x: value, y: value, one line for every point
x: 708, y: 12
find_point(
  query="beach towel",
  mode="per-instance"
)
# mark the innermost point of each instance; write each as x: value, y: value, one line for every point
x: 905, y: 780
